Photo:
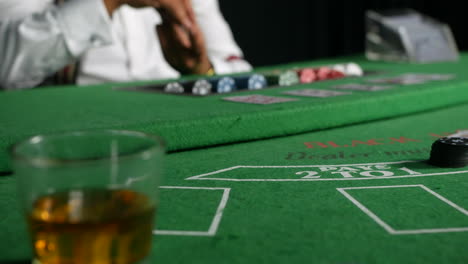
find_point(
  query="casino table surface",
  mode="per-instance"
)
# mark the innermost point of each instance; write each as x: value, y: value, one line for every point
x: 318, y: 180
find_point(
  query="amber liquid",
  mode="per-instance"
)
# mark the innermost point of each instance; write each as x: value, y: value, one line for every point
x: 92, y: 226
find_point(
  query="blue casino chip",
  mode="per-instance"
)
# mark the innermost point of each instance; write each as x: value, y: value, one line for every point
x: 224, y: 85
x: 251, y: 82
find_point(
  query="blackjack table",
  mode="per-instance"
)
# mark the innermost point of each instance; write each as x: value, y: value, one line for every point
x: 336, y: 179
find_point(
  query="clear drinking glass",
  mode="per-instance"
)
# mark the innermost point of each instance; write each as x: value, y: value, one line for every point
x: 89, y: 196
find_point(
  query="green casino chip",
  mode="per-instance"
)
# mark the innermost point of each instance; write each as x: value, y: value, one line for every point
x: 288, y: 78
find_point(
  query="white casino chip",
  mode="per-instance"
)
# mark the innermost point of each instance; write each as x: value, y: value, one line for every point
x: 174, y: 87
x: 202, y: 87
x: 352, y: 69
x: 340, y: 68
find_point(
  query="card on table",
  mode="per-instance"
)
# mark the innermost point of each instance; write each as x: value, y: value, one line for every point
x: 413, y: 78
x: 362, y: 87
x: 315, y: 93
x: 430, y: 76
x: 403, y: 80
x: 258, y: 99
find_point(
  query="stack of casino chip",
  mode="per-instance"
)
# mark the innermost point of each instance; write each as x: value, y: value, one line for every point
x: 288, y: 78
x: 174, y: 87
x: 251, y: 82
x: 223, y: 85
x: 450, y: 152
x: 256, y: 82
x: 326, y: 73
x: 198, y: 87
x: 201, y: 87
x: 349, y: 69
x: 307, y: 75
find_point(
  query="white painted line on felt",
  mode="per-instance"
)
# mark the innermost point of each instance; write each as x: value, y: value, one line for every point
x: 447, y: 201
x: 327, y: 165
x: 214, y: 222
x: 214, y: 172
x: 440, y: 197
x: 367, y: 211
x: 431, y: 231
x: 193, y: 188
x: 380, y: 187
x: 180, y: 233
x: 196, y: 177
x: 219, y: 213
x: 331, y: 179
x: 392, y: 231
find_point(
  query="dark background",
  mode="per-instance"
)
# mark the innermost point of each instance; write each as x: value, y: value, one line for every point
x: 273, y: 31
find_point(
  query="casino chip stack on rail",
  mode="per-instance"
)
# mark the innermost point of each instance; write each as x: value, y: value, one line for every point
x: 202, y: 87
x: 223, y: 85
x: 450, y: 152
x: 349, y: 69
x: 256, y: 81
x: 251, y: 82
x: 174, y: 87
x: 307, y: 75
x: 288, y: 78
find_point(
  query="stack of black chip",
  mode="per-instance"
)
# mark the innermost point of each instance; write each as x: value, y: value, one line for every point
x: 450, y: 152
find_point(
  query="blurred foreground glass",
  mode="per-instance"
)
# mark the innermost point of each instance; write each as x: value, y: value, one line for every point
x: 91, y: 196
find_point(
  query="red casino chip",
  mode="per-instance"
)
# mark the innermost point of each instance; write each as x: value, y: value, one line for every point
x: 322, y: 73
x: 307, y: 75
x: 334, y: 74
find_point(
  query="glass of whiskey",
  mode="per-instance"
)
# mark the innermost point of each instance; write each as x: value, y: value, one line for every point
x: 90, y: 196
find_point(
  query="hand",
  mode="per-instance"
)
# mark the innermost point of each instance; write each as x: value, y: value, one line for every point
x: 176, y: 11
x: 185, y: 51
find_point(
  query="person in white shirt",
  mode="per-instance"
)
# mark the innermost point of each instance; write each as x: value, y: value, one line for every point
x: 118, y: 45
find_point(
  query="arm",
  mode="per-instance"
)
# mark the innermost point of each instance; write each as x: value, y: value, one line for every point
x: 223, y: 52
x: 209, y: 45
x: 40, y: 44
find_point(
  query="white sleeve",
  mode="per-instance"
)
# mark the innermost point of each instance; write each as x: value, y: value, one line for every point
x: 40, y: 44
x: 223, y: 51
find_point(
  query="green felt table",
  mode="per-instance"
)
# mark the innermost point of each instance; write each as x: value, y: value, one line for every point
x: 348, y: 184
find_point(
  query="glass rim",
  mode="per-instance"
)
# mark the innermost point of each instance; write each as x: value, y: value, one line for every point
x: 48, y: 161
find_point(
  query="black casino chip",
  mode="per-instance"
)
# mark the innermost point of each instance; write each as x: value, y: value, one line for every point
x: 272, y: 80
x: 450, y: 152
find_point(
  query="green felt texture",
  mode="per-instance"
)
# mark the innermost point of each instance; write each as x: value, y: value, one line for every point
x: 307, y: 220
x: 189, y: 122
x: 412, y: 202
x: 197, y: 208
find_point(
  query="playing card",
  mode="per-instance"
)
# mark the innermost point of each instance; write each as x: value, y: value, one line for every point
x: 258, y: 99
x: 315, y: 93
x: 403, y: 80
x: 362, y: 87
